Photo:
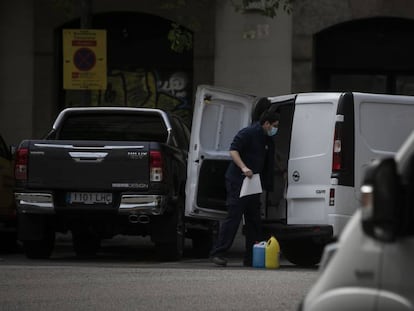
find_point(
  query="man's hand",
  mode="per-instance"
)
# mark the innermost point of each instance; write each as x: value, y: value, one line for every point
x: 247, y: 172
x: 239, y: 162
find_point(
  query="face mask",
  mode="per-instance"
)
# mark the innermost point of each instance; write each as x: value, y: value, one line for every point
x: 272, y: 131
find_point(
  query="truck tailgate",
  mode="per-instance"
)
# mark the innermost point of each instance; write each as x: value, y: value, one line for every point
x: 88, y: 165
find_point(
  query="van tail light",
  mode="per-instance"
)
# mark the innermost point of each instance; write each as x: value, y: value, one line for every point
x: 156, y: 166
x: 20, y: 166
x: 337, y: 149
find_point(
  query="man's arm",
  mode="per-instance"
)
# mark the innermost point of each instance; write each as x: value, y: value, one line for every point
x: 235, y: 155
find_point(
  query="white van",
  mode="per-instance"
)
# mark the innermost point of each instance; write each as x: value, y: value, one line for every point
x: 324, y: 142
x: 371, y: 267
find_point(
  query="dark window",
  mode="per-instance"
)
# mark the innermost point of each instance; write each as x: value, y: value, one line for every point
x: 114, y: 127
x: 368, y: 55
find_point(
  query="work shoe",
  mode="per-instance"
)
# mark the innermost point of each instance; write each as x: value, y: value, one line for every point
x: 219, y: 261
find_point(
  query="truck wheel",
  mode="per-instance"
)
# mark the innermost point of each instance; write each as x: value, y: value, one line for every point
x: 85, y: 244
x: 40, y: 249
x: 173, y: 249
x: 303, y: 252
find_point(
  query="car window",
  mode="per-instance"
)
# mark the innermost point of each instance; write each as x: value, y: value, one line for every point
x: 115, y: 127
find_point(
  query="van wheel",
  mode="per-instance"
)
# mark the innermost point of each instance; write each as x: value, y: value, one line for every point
x: 40, y: 249
x: 304, y: 252
x: 172, y: 249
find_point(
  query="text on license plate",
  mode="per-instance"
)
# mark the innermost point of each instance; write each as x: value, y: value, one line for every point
x: 90, y: 197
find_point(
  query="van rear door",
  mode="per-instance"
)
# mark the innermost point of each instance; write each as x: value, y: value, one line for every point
x: 310, y: 159
x: 218, y: 115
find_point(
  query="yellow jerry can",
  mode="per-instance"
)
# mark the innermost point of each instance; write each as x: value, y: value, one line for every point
x: 272, y: 253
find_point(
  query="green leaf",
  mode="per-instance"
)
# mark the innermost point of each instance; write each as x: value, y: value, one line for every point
x: 180, y: 38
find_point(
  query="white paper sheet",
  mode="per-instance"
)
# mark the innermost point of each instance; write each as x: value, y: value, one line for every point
x: 251, y: 185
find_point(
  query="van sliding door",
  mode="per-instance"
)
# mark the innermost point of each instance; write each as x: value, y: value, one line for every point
x: 275, y: 200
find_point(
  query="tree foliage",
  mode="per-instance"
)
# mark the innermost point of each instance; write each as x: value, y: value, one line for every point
x: 180, y: 38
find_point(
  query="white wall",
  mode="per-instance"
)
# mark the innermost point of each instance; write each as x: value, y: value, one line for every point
x: 16, y: 70
x: 253, y: 52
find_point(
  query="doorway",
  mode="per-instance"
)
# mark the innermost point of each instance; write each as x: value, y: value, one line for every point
x: 368, y: 55
x: 142, y: 69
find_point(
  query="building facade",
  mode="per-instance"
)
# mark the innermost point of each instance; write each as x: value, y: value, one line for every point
x: 353, y: 45
x: 322, y: 45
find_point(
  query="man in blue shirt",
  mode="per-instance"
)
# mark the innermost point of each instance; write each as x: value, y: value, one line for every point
x: 252, y: 152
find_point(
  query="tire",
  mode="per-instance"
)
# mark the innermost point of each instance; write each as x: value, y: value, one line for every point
x: 40, y: 249
x: 85, y: 244
x: 303, y: 252
x: 173, y: 249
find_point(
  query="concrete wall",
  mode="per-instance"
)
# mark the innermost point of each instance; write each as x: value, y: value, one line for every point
x: 252, y: 52
x: 16, y: 70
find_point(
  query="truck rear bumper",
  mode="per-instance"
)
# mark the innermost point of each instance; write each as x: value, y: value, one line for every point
x: 130, y: 204
x: 142, y: 204
x: 34, y: 203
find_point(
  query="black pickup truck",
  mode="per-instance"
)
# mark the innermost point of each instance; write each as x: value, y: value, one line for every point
x: 104, y: 171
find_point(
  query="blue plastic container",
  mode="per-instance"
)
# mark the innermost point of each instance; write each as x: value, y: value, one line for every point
x: 259, y: 254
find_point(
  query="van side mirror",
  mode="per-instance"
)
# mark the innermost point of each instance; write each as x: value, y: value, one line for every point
x: 380, y: 194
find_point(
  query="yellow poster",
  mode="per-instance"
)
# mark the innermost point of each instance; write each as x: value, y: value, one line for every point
x: 84, y: 59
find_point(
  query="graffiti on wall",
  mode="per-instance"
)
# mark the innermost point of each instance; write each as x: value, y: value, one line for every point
x: 169, y: 91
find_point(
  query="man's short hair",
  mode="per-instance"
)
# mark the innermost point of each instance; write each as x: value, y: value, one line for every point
x: 270, y: 116
x: 262, y: 105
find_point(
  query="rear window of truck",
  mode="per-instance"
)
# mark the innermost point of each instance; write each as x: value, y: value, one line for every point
x: 115, y: 127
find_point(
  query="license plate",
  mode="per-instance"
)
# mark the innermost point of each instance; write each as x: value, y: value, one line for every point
x: 90, y: 197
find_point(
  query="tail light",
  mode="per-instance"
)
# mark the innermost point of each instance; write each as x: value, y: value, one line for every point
x: 156, y: 166
x: 20, y: 167
x: 337, y: 149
